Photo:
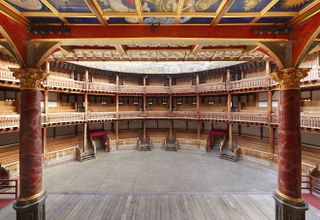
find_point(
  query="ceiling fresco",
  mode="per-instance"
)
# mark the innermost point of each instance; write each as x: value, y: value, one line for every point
x: 201, y: 12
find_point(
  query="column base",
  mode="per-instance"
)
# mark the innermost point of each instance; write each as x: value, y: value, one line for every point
x: 31, y: 210
x: 286, y: 210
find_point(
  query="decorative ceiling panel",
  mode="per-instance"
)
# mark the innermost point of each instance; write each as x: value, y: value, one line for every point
x: 69, y: 6
x: 147, y: 12
x: 196, y: 6
x: 163, y: 6
x: 249, y: 5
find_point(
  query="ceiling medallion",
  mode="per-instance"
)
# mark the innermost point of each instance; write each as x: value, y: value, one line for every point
x: 250, y: 4
x: 288, y: 4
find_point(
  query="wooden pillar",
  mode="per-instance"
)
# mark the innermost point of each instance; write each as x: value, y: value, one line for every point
x: 85, y: 136
x: 269, y: 105
x: 198, y: 132
x: 268, y: 69
x: 212, y: 127
x: 86, y: 78
x: 31, y: 202
x: 45, y: 104
x: 171, y: 129
x: 229, y: 106
x: 230, y: 130
x: 271, y: 142
x: 117, y: 133
x: 239, y: 130
x: 228, y: 75
x: 144, y: 129
x: 187, y: 125
x: 261, y: 132
x: 86, y: 105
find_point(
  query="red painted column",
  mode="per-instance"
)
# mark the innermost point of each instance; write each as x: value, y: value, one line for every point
x: 289, y: 202
x: 30, y: 204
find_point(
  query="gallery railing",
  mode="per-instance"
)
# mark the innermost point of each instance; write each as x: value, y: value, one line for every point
x: 64, y: 117
x: 7, y: 75
x: 70, y: 84
x: 99, y: 87
x: 249, y: 117
x: 54, y: 83
x: 157, y: 90
x: 220, y: 116
x: 98, y: 116
x: 131, y: 115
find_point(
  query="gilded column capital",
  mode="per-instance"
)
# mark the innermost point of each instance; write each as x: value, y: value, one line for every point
x: 289, y: 78
x: 29, y: 77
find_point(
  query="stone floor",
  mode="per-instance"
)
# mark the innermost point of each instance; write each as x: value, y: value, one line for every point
x: 147, y: 185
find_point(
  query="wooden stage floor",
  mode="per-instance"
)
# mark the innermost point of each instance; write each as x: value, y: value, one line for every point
x: 159, y: 185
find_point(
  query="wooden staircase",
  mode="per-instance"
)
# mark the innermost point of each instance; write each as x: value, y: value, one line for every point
x: 170, y: 144
x: 87, y: 155
x: 144, y: 144
x: 231, y: 153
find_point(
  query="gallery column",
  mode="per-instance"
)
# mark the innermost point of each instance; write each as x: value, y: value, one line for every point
x: 31, y: 202
x: 289, y: 202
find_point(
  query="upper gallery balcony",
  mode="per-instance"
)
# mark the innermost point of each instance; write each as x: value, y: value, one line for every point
x: 59, y: 81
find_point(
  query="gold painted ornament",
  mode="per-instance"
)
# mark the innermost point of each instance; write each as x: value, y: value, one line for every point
x: 250, y: 4
x: 288, y: 4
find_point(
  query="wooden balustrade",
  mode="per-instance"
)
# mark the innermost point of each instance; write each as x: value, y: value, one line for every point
x: 313, y: 75
x: 99, y: 87
x: 157, y: 90
x: 184, y: 114
x: 157, y: 114
x: 131, y: 115
x: 7, y: 75
x: 310, y: 121
x: 183, y: 89
x: 249, y: 117
x: 274, y: 119
x: 220, y: 116
x: 311, y: 183
x: 9, y: 121
x: 212, y: 87
x: 64, y: 117
x: 98, y: 116
x: 132, y: 89
x: 249, y: 83
x: 53, y: 83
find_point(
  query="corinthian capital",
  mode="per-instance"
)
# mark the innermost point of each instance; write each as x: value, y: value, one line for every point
x: 289, y: 78
x: 29, y: 77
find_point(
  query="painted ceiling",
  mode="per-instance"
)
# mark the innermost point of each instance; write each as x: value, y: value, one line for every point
x: 198, y: 12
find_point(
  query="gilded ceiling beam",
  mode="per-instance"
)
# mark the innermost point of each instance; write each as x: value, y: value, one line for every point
x: 96, y: 10
x: 311, y: 10
x: 54, y: 10
x: 12, y: 13
x: 265, y: 10
x: 221, y: 11
x: 179, y: 11
x: 139, y: 11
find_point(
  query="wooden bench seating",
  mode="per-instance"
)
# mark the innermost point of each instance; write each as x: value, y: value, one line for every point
x: 62, y: 107
x: 312, y: 107
x: 62, y: 143
x: 213, y: 108
x: 95, y: 107
x: 128, y: 108
x: 8, y: 108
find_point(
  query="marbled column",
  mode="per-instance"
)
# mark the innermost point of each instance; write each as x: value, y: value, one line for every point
x: 289, y: 134
x: 289, y: 142
x: 31, y: 202
x: 30, y: 144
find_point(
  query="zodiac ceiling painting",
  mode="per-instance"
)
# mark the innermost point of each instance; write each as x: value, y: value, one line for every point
x: 111, y: 7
